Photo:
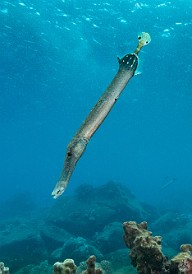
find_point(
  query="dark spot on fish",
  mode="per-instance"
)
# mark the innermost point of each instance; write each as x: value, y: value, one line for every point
x: 69, y: 154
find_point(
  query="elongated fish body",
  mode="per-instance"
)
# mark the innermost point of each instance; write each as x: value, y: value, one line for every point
x: 77, y: 146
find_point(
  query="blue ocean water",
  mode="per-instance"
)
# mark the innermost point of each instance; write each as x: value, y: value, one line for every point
x: 57, y: 58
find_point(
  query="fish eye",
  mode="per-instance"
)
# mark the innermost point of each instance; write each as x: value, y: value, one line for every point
x: 146, y: 42
x: 139, y: 37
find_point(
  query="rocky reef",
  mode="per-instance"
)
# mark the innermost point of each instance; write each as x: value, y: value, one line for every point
x: 77, y: 226
x: 146, y: 252
x: 90, y: 222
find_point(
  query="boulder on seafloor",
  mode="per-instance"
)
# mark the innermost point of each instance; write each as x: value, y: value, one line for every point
x: 108, y: 240
x: 45, y: 234
x: 21, y: 242
x: 94, y: 207
x: 118, y: 259
x: 175, y: 228
x: 169, y: 221
x: 42, y: 268
x: 53, y: 237
x: 79, y: 248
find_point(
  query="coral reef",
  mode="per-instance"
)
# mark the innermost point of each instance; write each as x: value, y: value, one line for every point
x: 146, y: 254
x: 70, y: 228
x: 102, y: 209
x: 91, y: 269
x: 67, y: 267
x: 182, y: 261
x: 3, y: 269
x: 77, y: 248
x: 28, y: 241
x: 108, y: 238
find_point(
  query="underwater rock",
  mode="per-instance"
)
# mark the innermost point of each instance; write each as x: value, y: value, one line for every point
x: 183, y: 260
x: 21, y: 243
x: 3, y: 269
x: 107, y: 203
x: 91, y: 269
x: 106, y: 266
x: 56, y: 254
x: 169, y: 221
x: 42, y: 268
x: 78, y: 249
x: 118, y: 259
x: 181, y: 234
x: 53, y: 237
x: 67, y: 267
x: 108, y: 239
x: 145, y: 252
x: 50, y: 234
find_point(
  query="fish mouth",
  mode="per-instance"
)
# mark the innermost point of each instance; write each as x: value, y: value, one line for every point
x: 58, y: 191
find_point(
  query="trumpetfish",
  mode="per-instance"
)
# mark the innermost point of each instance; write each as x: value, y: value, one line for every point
x: 78, y: 144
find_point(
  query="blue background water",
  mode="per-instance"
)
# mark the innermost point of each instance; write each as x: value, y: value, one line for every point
x: 56, y: 59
